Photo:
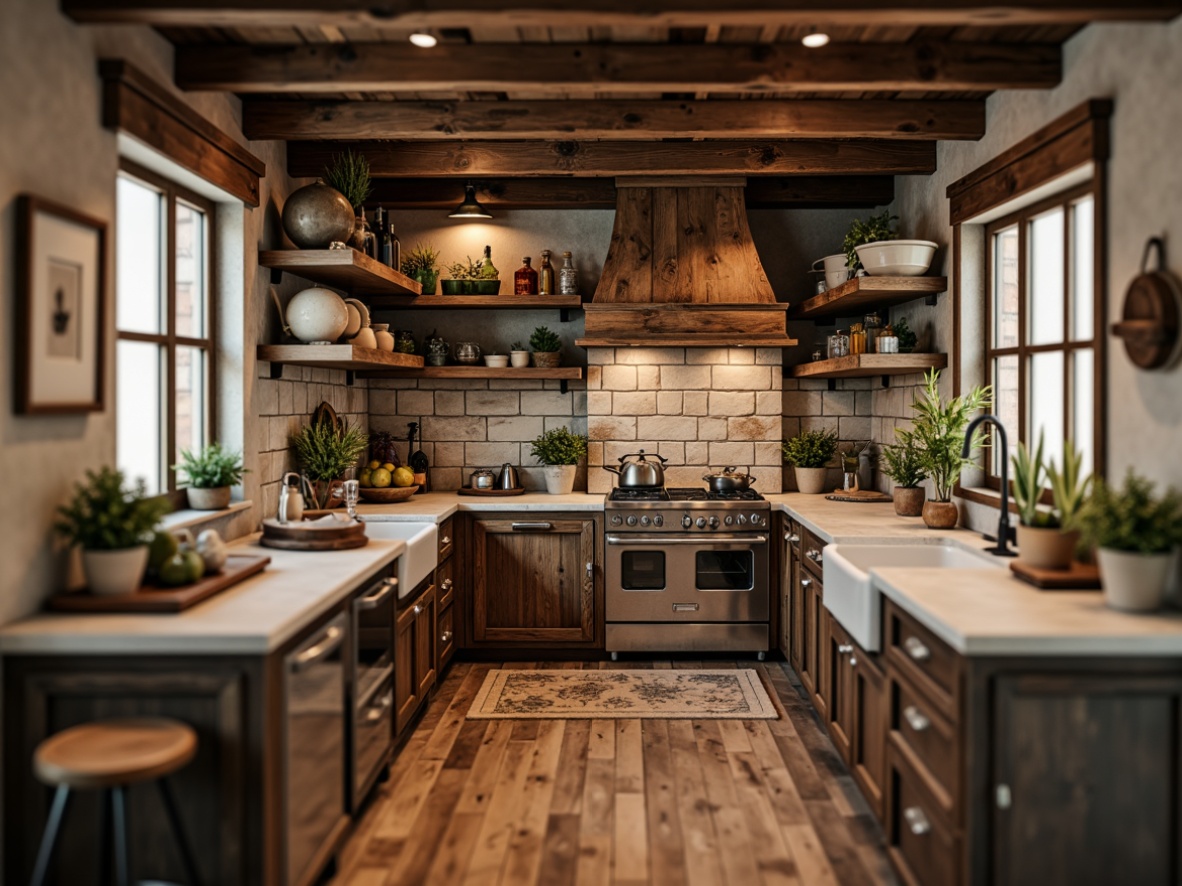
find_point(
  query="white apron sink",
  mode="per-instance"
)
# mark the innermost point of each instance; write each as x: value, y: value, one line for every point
x: 422, y: 549
x: 851, y: 596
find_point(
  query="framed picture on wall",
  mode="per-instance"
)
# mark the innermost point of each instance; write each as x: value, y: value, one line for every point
x: 60, y: 309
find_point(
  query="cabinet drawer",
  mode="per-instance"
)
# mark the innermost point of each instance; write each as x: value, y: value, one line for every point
x: 446, y: 639
x: 923, y: 846
x: 925, y: 660
x: 812, y: 551
x: 792, y: 535
x: 930, y: 737
x: 445, y: 582
x: 447, y: 537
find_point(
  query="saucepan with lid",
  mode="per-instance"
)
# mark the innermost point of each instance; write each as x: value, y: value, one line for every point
x: 730, y: 479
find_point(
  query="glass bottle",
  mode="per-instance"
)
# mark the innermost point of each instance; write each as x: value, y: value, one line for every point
x: 385, y: 241
x: 546, y: 275
x: 525, y: 280
x: 568, y: 276
x: 395, y: 246
x: 487, y: 269
x: 370, y: 242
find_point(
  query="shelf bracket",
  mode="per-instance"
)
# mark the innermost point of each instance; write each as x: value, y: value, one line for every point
x: 886, y: 381
x: 350, y: 377
x: 930, y: 300
x: 562, y: 386
x: 276, y: 276
x: 276, y: 370
x: 564, y: 315
x: 832, y: 384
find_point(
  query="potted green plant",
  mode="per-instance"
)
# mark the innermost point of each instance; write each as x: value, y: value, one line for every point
x: 421, y: 264
x: 1137, y: 535
x: 903, y: 463
x: 114, y: 524
x: 938, y: 431
x: 349, y: 174
x: 810, y: 453
x: 560, y: 451
x: 518, y: 355
x: 547, y: 347
x: 906, y: 335
x: 464, y: 277
x: 872, y: 246
x: 1047, y: 537
x: 326, y: 448
x: 209, y: 475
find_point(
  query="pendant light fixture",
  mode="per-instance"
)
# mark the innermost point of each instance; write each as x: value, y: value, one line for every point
x: 471, y: 207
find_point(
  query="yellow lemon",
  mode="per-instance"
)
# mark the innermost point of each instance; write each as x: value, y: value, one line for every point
x: 374, y: 465
x: 404, y: 477
x: 365, y: 480
x: 389, y: 467
x: 380, y: 478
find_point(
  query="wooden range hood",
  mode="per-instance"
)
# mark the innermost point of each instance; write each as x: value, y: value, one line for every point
x: 682, y: 271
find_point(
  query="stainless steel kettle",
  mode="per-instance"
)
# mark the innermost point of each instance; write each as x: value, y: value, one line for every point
x: 508, y: 478
x: 635, y: 470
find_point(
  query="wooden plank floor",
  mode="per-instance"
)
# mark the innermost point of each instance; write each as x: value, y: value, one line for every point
x: 628, y: 802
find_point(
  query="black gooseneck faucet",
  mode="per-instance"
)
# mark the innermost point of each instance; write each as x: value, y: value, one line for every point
x: 1003, y: 520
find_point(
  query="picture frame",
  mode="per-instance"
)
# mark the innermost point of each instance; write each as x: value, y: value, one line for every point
x: 61, y: 309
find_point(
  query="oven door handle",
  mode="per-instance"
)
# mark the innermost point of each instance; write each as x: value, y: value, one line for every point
x: 696, y: 540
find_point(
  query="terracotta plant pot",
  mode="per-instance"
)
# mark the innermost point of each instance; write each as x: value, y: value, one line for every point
x: 940, y: 514
x: 1046, y: 548
x: 560, y: 479
x: 1133, y: 581
x: 909, y: 500
x: 812, y: 481
x: 546, y: 359
x: 214, y: 499
x: 110, y: 573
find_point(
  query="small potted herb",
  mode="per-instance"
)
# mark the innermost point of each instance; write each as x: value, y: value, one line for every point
x: 547, y: 347
x: 810, y: 453
x: 906, y: 335
x: 421, y: 264
x: 872, y: 246
x: 436, y: 350
x: 518, y: 355
x: 903, y: 463
x: 326, y: 448
x: 349, y: 174
x: 560, y: 451
x: 938, y: 431
x: 1137, y: 535
x: 1047, y: 538
x: 209, y: 475
x: 114, y: 525
x: 463, y: 277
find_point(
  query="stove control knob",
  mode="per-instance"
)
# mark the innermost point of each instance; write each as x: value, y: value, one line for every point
x: 645, y: 521
x: 701, y: 522
x: 729, y: 521
x: 741, y: 519
x: 631, y: 519
x: 756, y: 519
x: 617, y: 519
x: 687, y: 521
x: 713, y: 522
x: 658, y: 520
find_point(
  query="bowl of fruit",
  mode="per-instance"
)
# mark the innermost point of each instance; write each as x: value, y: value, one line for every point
x: 385, y: 482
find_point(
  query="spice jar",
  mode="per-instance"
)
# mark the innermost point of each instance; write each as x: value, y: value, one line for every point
x: 839, y: 344
x: 887, y: 342
x: 857, y: 339
x: 467, y: 352
x: 404, y: 341
x: 872, y: 323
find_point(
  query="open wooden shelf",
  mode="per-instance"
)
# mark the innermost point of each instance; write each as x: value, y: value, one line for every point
x: 348, y: 357
x: 565, y: 373
x: 869, y: 366
x: 345, y: 269
x: 863, y: 294
x: 689, y: 341
x: 483, y: 302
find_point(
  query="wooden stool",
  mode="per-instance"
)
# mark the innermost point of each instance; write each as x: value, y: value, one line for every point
x: 111, y: 755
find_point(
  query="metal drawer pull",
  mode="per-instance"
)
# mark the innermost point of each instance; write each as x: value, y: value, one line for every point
x: 526, y: 527
x: 418, y: 610
x: 806, y: 582
x: 702, y: 541
x: 446, y: 540
x: 1003, y: 796
x: 853, y: 661
x: 915, y: 718
x: 375, y: 713
x: 791, y: 538
x: 445, y: 637
x: 685, y: 607
x: 328, y: 643
x: 590, y: 569
x: 917, y: 822
x: 916, y: 649
x: 844, y: 648
x: 445, y: 585
x: 374, y: 600
x: 814, y: 555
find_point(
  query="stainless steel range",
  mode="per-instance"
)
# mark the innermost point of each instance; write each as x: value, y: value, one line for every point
x: 687, y: 570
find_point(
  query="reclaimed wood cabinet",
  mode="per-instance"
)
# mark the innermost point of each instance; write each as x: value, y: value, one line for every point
x: 446, y: 574
x: 414, y: 653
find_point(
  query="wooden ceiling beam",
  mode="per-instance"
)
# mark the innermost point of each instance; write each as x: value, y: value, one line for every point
x: 534, y: 159
x: 583, y: 70
x: 794, y: 192
x: 596, y: 13
x: 622, y: 119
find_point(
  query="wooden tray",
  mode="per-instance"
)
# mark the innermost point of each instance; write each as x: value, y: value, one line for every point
x: 153, y: 597
x: 862, y: 495
x: 306, y: 536
x: 469, y: 490
x: 1080, y: 577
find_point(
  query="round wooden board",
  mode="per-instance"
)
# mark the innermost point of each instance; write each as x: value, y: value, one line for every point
x: 864, y: 496
x: 312, y: 536
x: 289, y: 544
x: 468, y: 490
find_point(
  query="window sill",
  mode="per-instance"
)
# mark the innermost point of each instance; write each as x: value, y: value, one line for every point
x: 982, y: 495
x: 187, y: 518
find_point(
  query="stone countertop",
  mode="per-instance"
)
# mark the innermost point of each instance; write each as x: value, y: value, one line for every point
x: 254, y: 617
x: 846, y: 522
x: 435, y: 507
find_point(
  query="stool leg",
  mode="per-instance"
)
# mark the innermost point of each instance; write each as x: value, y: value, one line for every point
x: 49, y: 839
x: 107, y: 838
x: 119, y: 814
x: 174, y: 819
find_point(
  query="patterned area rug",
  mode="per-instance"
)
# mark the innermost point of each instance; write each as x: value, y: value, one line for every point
x: 623, y: 694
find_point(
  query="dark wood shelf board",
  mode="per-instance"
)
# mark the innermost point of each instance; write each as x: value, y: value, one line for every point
x: 348, y: 357
x: 482, y: 302
x: 863, y: 294
x: 524, y: 372
x: 688, y: 341
x: 869, y: 366
x: 345, y: 269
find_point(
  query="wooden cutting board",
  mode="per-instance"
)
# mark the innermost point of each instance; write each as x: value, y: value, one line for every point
x: 313, y: 536
x: 1080, y: 577
x: 862, y: 495
x: 472, y: 490
x: 154, y: 597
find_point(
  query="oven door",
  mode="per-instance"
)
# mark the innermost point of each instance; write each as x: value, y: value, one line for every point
x: 373, y: 636
x: 663, y: 578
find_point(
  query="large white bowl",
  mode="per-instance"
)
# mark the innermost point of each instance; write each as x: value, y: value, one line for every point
x: 897, y: 258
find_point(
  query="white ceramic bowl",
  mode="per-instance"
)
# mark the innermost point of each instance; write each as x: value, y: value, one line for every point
x: 836, y: 269
x: 897, y: 258
x: 496, y: 361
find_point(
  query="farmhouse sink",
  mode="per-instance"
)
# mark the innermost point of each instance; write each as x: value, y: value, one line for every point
x: 851, y: 596
x: 422, y: 550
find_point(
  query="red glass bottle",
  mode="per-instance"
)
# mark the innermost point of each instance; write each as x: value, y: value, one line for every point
x: 525, y: 279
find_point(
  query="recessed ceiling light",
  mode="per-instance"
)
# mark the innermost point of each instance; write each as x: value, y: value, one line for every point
x: 815, y: 39
x: 425, y: 40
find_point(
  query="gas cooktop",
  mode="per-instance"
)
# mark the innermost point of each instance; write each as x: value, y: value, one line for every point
x: 680, y: 495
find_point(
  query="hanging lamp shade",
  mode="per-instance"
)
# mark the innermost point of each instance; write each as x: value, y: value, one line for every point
x: 471, y: 207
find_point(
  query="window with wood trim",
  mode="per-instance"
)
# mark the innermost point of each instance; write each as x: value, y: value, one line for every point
x: 164, y: 357
x: 1042, y: 327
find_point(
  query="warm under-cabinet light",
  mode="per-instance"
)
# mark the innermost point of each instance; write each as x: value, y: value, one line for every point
x: 420, y: 38
x: 815, y: 39
x: 471, y: 207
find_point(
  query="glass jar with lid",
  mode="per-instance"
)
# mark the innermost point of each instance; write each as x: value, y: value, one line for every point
x: 839, y: 344
x: 872, y: 324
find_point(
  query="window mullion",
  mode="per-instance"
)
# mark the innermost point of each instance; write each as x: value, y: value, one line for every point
x: 170, y: 348
x: 1023, y: 316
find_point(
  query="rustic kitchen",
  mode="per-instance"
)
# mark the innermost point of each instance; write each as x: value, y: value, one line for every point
x: 615, y: 443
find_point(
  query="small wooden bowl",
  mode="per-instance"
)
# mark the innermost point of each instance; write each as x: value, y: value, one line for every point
x: 388, y: 494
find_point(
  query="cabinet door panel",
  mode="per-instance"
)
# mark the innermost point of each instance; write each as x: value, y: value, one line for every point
x: 838, y: 683
x: 810, y: 631
x: 424, y: 643
x: 868, y: 701
x: 533, y: 585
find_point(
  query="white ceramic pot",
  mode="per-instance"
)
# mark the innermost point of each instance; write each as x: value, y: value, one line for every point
x: 812, y: 481
x: 383, y: 337
x: 1046, y: 548
x: 109, y: 573
x: 518, y: 359
x: 317, y: 315
x: 367, y: 338
x: 836, y: 269
x: 1133, y: 581
x: 214, y: 499
x: 560, y: 479
x: 897, y: 258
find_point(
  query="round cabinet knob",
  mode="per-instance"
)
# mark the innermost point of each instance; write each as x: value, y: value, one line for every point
x: 687, y: 521
x: 741, y: 519
x: 658, y: 520
x: 700, y: 522
x: 617, y: 519
x: 713, y: 522
x: 631, y: 519
x: 645, y: 521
